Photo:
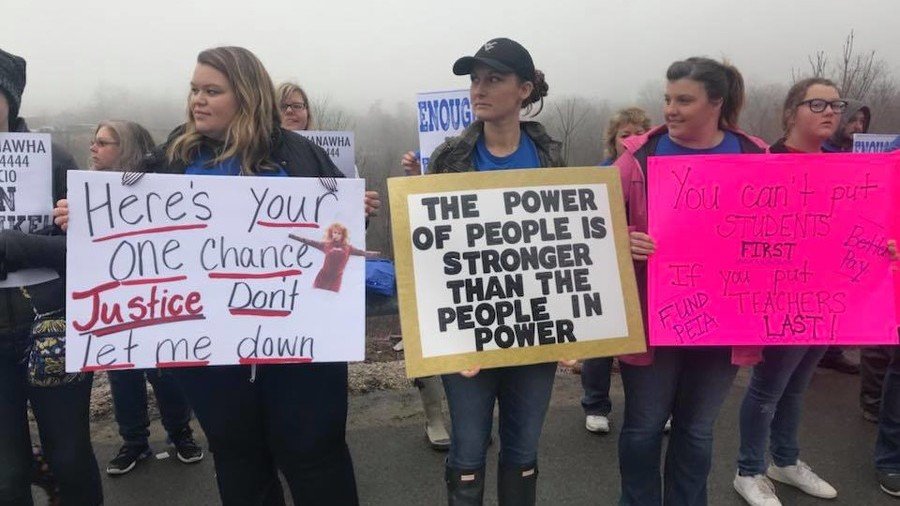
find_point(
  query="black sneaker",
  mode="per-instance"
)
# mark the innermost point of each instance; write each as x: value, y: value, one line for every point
x: 890, y: 483
x: 127, y: 458
x: 187, y: 450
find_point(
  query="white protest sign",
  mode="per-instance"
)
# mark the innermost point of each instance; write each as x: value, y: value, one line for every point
x: 875, y: 143
x: 181, y: 271
x: 26, y: 197
x: 513, y: 267
x: 339, y: 146
x: 441, y: 114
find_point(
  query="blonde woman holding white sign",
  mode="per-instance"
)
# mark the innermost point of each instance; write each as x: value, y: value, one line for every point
x: 503, y: 83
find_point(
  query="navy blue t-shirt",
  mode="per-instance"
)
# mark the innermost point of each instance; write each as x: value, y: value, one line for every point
x: 730, y: 145
x: 524, y: 157
x: 228, y: 167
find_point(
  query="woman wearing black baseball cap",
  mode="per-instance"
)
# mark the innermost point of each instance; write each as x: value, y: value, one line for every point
x: 504, y: 82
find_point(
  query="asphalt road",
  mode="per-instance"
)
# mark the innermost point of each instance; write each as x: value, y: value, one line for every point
x: 394, y: 466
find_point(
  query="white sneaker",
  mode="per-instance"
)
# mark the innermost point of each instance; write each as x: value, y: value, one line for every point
x: 597, y: 423
x: 756, y: 490
x: 802, y: 477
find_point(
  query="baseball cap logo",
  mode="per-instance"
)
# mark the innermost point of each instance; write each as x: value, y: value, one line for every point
x: 489, y: 45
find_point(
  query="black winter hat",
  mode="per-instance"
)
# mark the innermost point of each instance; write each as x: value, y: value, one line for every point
x: 501, y: 54
x: 12, y: 81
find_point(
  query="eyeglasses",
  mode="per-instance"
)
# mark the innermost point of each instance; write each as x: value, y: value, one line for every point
x: 295, y: 107
x: 819, y: 105
x: 100, y: 143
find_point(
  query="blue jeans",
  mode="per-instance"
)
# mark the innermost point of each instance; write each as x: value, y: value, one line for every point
x: 887, y: 447
x: 595, y: 382
x: 524, y: 395
x: 690, y: 384
x: 129, y: 393
x: 772, y: 407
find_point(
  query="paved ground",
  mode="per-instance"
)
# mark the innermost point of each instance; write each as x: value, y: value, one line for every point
x: 394, y: 467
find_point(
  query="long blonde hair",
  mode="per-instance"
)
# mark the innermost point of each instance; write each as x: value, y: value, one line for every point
x: 250, y: 135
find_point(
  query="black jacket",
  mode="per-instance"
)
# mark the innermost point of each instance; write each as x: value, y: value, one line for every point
x: 295, y: 154
x: 16, y: 313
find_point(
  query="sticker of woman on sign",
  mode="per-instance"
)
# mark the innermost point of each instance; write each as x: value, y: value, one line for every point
x: 337, y: 249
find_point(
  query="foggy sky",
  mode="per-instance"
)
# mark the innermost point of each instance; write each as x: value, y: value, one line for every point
x: 360, y: 52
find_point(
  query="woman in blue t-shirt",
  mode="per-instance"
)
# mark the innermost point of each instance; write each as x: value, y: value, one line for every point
x: 503, y: 83
x: 703, y: 102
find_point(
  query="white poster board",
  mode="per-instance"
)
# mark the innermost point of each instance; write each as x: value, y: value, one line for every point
x: 180, y: 271
x: 339, y: 146
x: 875, y: 143
x: 441, y: 114
x: 26, y: 196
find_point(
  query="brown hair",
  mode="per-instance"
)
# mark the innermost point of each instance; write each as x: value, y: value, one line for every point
x: 538, y: 92
x: 795, y: 95
x: 629, y: 116
x: 250, y: 136
x: 284, y: 92
x: 722, y: 81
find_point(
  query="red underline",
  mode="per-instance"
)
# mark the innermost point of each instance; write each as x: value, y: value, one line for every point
x: 155, y: 230
x: 255, y: 275
x: 259, y: 312
x: 195, y: 363
x: 275, y: 224
x: 285, y: 360
x: 109, y: 285
x: 92, y: 368
x: 142, y: 323
x: 153, y: 281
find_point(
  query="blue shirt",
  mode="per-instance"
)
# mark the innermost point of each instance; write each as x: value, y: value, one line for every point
x: 228, y: 167
x: 730, y: 145
x: 524, y: 157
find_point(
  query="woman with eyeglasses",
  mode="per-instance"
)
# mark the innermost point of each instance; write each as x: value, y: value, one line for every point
x: 703, y: 101
x: 773, y: 403
x: 296, y: 113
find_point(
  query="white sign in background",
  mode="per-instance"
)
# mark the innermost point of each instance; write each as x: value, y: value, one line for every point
x: 339, y: 146
x: 603, y: 273
x: 26, y: 196
x: 875, y: 143
x: 200, y: 270
x: 441, y: 114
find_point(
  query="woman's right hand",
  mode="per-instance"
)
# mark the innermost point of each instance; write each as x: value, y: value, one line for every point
x: 410, y: 163
x: 642, y: 245
x: 470, y: 373
x: 61, y: 214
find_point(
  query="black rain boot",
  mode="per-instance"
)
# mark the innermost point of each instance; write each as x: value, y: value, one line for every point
x: 464, y: 488
x: 517, y: 486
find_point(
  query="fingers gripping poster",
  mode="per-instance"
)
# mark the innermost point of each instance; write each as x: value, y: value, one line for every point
x: 771, y: 250
x: 179, y: 271
x: 513, y: 267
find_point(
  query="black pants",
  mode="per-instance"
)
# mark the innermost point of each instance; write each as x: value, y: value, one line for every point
x: 873, y: 363
x: 129, y: 393
x: 291, y: 418
x: 62, y: 415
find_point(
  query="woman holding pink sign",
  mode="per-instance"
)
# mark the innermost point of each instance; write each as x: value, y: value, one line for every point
x: 703, y: 101
x: 773, y: 402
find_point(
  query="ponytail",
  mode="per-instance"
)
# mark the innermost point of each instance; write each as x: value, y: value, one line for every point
x: 538, y: 92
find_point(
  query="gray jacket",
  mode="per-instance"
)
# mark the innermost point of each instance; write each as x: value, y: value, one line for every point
x: 455, y: 154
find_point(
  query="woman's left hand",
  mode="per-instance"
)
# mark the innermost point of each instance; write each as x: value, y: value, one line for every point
x: 892, y: 248
x: 372, y: 202
x: 568, y: 363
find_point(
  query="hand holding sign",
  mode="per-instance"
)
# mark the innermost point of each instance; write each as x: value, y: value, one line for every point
x: 61, y: 214
x: 642, y: 245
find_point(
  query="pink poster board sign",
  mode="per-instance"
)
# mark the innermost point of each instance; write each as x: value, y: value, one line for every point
x: 771, y: 250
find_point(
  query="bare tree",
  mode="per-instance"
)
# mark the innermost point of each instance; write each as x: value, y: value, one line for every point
x: 570, y: 115
x: 330, y: 117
